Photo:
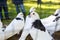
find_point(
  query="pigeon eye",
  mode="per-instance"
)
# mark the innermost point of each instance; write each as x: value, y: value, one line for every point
x: 33, y: 13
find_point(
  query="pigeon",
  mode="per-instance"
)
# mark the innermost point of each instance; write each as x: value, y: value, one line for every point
x: 15, y: 26
x: 49, y: 22
x: 40, y: 30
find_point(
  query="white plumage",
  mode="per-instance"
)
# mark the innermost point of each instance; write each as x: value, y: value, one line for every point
x: 57, y: 12
x: 40, y: 35
x: 49, y: 24
x: 15, y: 26
x: 47, y: 20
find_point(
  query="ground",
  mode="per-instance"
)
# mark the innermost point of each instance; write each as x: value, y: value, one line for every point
x: 56, y: 36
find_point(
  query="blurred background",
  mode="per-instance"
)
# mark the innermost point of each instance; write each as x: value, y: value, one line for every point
x: 44, y: 8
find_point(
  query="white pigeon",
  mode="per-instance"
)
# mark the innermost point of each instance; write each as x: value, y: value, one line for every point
x: 49, y: 23
x: 38, y: 31
x: 29, y: 26
x: 15, y: 26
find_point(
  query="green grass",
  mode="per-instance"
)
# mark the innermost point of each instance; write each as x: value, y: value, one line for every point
x: 45, y: 11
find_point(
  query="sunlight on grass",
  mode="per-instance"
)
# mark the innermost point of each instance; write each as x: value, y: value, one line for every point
x: 47, y: 6
x: 56, y: 1
x: 50, y: 7
x: 30, y: 5
x: 45, y: 0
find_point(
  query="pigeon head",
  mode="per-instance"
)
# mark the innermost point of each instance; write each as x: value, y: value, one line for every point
x: 20, y: 16
x: 36, y: 21
x: 32, y: 9
x: 34, y: 15
x: 57, y: 12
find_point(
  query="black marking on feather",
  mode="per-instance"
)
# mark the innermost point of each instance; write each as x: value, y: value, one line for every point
x: 57, y: 18
x: 56, y: 14
x: 38, y: 24
x: 19, y: 18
